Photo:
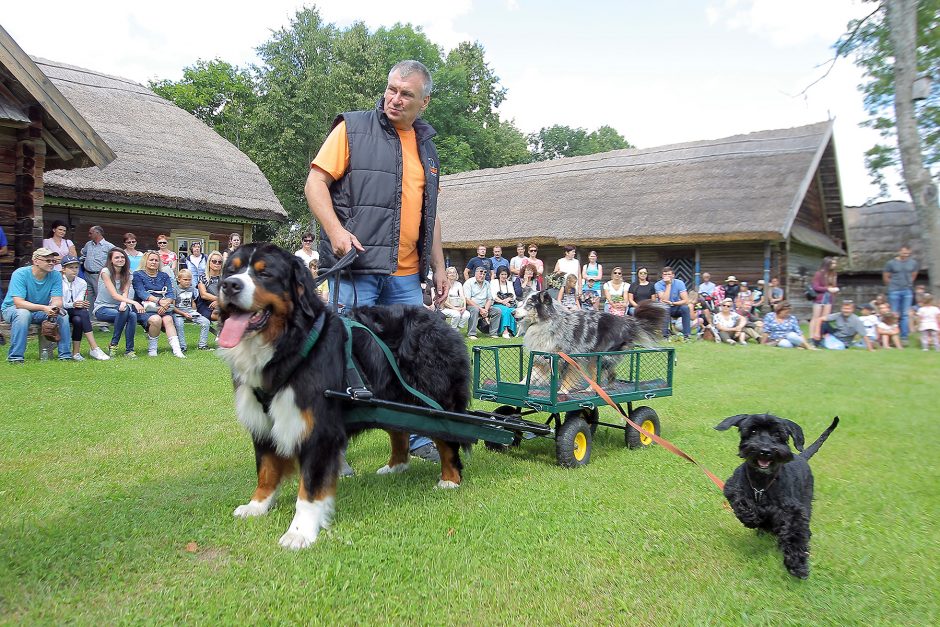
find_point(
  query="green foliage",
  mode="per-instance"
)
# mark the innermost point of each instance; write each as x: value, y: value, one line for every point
x: 868, y: 41
x: 558, y: 141
x: 216, y: 92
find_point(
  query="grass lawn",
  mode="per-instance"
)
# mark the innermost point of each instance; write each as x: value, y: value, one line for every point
x: 118, y: 481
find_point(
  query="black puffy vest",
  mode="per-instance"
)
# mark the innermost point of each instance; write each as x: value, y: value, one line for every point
x: 367, y: 198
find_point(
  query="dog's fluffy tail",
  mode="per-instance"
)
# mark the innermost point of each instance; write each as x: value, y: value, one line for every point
x: 652, y: 319
x: 812, y: 448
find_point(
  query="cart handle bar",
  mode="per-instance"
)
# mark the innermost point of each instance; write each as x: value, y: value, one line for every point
x: 666, y: 444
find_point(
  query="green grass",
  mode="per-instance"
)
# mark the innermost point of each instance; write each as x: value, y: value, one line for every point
x: 108, y: 471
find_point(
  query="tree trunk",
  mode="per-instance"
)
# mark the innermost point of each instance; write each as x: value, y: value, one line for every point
x: 902, y: 28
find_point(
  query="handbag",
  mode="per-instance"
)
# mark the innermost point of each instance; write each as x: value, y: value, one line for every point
x: 810, y: 293
x: 49, y: 329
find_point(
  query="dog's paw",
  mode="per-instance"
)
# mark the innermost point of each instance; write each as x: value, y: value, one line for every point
x: 447, y: 485
x: 296, y: 539
x: 389, y: 470
x: 309, y: 519
x: 253, y: 508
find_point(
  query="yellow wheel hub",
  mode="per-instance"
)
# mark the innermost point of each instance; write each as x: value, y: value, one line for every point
x: 580, y: 446
x: 647, y: 425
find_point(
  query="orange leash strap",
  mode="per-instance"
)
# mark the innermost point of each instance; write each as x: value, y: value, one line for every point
x: 666, y: 444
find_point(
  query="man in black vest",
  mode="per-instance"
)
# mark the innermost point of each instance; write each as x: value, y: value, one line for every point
x: 373, y: 187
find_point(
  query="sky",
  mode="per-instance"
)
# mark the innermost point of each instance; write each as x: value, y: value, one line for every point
x: 658, y: 72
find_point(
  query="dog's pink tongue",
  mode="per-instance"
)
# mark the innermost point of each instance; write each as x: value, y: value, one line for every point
x: 233, y: 330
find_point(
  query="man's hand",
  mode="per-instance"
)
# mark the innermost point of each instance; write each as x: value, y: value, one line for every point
x: 440, y: 286
x: 343, y: 241
x: 49, y: 310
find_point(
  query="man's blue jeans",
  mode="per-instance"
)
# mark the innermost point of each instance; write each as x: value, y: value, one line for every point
x: 19, y: 321
x: 900, y: 301
x: 383, y: 289
x: 679, y: 311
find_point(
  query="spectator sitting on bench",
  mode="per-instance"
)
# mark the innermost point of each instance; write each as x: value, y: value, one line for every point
x: 154, y: 290
x: 34, y: 295
x: 184, y: 308
x: 78, y: 308
x: 673, y: 294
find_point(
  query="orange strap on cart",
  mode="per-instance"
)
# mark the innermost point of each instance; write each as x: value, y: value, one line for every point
x: 666, y: 444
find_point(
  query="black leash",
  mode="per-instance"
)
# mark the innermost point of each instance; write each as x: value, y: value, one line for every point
x: 342, y: 264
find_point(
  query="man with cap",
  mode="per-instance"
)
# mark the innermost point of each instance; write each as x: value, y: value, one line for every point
x: 78, y: 309
x: 34, y: 295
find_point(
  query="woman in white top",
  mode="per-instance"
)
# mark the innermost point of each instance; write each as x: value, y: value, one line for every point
x: 196, y: 262
x: 616, y: 292
x: 73, y: 299
x: 306, y: 251
x: 57, y: 243
x: 134, y: 256
x: 516, y: 263
x: 729, y: 324
x: 568, y: 264
x: 455, y: 307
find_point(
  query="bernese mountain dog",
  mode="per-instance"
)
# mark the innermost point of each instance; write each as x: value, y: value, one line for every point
x: 268, y: 306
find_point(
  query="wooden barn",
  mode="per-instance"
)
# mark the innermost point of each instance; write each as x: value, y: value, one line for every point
x: 40, y: 130
x: 765, y: 204
x: 874, y: 234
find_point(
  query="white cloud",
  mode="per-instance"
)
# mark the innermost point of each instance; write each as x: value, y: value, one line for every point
x: 787, y: 23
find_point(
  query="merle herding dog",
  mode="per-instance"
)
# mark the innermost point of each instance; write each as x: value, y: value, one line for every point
x: 773, y: 489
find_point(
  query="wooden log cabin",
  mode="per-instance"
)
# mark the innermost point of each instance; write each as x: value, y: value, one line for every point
x: 40, y: 130
x: 167, y: 172
x: 761, y: 205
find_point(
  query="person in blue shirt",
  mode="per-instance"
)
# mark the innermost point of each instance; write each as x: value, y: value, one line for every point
x: 480, y: 261
x: 497, y: 261
x: 153, y: 289
x: 672, y: 293
x: 35, y: 294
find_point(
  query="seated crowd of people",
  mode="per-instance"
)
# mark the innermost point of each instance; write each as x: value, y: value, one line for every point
x: 117, y: 288
x: 161, y: 291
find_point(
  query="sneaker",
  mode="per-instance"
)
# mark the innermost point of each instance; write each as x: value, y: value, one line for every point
x: 345, y: 469
x: 112, y: 350
x: 130, y: 355
x: 494, y: 335
x: 99, y: 355
x: 15, y: 362
x: 151, y: 352
x: 428, y: 452
x: 730, y: 341
x: 205, y: 348
x: 472, y: 336
x: 507, y: 335
x: 77, y: 357
x: 742, y: 342
x: 179, y: 355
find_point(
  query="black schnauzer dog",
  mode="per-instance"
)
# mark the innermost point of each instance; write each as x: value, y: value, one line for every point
x: 773, y: 489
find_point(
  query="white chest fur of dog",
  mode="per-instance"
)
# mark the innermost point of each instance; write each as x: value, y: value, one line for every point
x: 284, y: 424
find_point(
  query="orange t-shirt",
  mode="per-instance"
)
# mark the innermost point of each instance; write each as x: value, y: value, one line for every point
x: 333, y: 159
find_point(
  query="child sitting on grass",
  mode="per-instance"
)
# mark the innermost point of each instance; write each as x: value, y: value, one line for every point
x: 928, y: 323
x: 185, y: 309
x: 870, y: 320
x: 888, y: 331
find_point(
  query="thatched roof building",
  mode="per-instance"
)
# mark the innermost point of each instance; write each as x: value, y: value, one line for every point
x: 761, y: 205
x: 746, y: 187
x: 167, y: 158
x: 875, y: 232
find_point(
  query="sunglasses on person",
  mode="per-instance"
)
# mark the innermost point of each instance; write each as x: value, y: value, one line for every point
x: 130, y: 241
x: 307, y: 241
x: 617, y: 272
x: 533, y: 250
x: 162, y: 243
x: 215, y: 261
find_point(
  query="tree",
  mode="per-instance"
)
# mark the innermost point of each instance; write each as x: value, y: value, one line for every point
x: 218, y: 93
x: 893, y: 44
x: 558, y: 141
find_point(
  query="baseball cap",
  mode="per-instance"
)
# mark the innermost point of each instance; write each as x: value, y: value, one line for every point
x: 43, y: 252
x: 69, y: 259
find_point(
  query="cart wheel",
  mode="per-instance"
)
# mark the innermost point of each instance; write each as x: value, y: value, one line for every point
x: 590, y: 416
x: 645, y: 417
x: 505, y: 410
x: 573, y: 443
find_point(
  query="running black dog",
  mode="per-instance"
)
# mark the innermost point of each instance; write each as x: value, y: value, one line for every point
x: 773, y: 489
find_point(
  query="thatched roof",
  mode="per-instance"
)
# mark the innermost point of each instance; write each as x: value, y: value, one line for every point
x: 166, y: 157
x: 876, y: 232
x: 746, y: 187
x: 72, y: 142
